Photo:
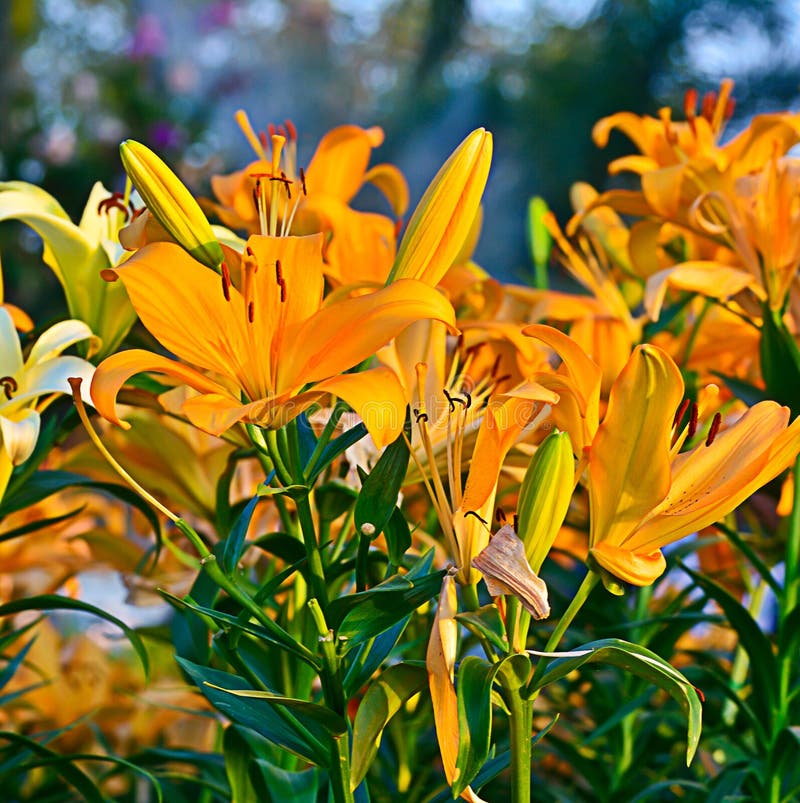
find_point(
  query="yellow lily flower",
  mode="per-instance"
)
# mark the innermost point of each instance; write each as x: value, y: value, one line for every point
x: 262, y: 342
x: 644, y: 493
x: 78, y: 254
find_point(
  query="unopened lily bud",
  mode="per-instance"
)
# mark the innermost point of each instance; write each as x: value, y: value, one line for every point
x: 445, y: 214
x: 544, y: 496
x: 171, y: 203
x: 506, y: 570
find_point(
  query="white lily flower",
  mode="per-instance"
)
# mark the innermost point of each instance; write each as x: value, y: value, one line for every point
x: 24, y: 381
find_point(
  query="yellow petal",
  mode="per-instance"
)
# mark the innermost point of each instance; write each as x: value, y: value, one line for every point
x: 445, y: 214
x: 376, y: 396
x: 340, y: 162
x: 392, y: 183
x: 640, y: 569
x: 343, y: 334
x: 629, y: 461
x: 117, y: 369
x: 710, y: 481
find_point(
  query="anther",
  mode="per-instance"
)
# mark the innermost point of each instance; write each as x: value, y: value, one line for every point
x: 282, y: 285
x: 420, y: 416
x: 450, y: 400
x: 226, y: 281
x: 292, y: 131
x: 287, y: 184
x: 712, y: 432
x: 478, y: 517
x: 262, y: 138
x: 303, y: 181
x: 9, y: 385
x: 680, y: 413
x: 495, y: 366
x: 500, y: 516
x: 249, y: 251
x: 516, y: 523
x: 251, y: 312
x: 468, y: 402
x: 709, y: 102
x: 114, y: 201
x: 398, y: 227
x: 690, y: 103
x: 730, y: 107
x: 692, y: 420
x: 271, y: 129
x: 282, y: 131
x: 278, y: 272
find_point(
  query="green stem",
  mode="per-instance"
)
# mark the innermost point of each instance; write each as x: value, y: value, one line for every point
x: 340, y: 770
x: 325, y: 437
x: 521, y: 726
x: 581, y: 595
x: 268, y: 440
x: 362, y: 563
x: 792, y: 568
x: 469, y: 596
x: 319, y: 587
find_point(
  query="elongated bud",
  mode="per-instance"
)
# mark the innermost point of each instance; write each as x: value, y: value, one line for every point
x: 445, y: 214
x: 506, y: 570
x: 544, y: 496
x: 171, y: 203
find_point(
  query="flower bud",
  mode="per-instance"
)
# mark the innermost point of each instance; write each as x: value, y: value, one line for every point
x: 544, y: 496
x: 445, y: 214
x: 171, y: 203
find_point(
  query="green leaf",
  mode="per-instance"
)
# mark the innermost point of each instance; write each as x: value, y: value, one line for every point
x: 474, y: 687
x: 39, y: 524
x: 378, y: 496
x: 643, y: 663
x: 486, y: 623
x: 9, y: 670
x: 238, y: 758
x: 335, y: 448
x: 66, y: 768
x: 53, y: 602
x: 274, y: 722
x: 780, y: 361
x: 398, y: 536
x: 333, y: 499
x: 383, y: 699
x: 763, y: 667
x: 370, y: 655
x: 281, y: 786
x: 361, y: 616
x: 43, y: 484
x: 234, y: 543
x: 322, y: 716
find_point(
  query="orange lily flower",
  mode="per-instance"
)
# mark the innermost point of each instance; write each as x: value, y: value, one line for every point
x: 363, y: 244
x: 267, y: 348
x: 644, y: 493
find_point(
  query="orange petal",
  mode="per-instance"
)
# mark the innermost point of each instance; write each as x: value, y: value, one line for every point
x: 392, y: 183
x: 340, y: 162
x: 632, y: 567
x: 629, y: 459
x: 117, y: 369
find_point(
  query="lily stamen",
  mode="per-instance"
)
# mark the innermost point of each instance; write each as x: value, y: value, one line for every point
x: 500, y: 516
x: 226, y: 281
x: 680, y: 413
x: 693, y: 414
x: 9, y: 385
x: 714, y: 429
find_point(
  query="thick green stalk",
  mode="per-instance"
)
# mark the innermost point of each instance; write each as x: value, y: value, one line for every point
x: 520, y: 726
x: 792, y: 569
x: 581, y: 595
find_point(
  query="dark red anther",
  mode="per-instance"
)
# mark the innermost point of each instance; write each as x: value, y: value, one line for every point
x: 263, y: 139
x: 709, y: 102
x: 292, y: 130
x: 450, y: 400
x: 249, y: 251
x: 700, y: 694
x: 287, y: 184
x: 714, y: 429
x: 495, y: 366
x: 469, y: 398
x: 692, y: 420
x: 271, y: 129
x: 500, y: 515
x: 283, y: 132
x: 303, y: 181
x: 226, y: 282
x: 398, y: 227
x: 516, y: 523
x: 477, y: 516
x: 283, y: 290
x: 9, y: 385
x: 730, y: 107
x: 690, y: 103
x: 114, y: 201
x: 278, y: 272
x: 251, y: 312
x: 503, y: 378
x: 680, y: 413
x: 256, y: 198
x: 420, y: 416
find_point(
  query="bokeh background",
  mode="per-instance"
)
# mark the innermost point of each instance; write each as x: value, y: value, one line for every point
x: 79, y: 76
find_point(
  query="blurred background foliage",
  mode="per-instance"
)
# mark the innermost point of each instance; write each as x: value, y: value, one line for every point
x: 79, y: 76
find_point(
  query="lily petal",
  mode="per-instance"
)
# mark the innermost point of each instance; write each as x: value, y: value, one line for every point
x: 56, y: 339
x: 10, y: 351
x: 636, y: 568
x: 20, y: 434
x: 629, y: 460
